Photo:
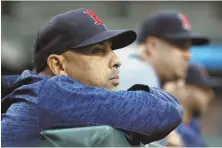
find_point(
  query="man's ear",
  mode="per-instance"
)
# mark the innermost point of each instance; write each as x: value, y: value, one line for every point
x: 57, y: 64
x: 150, y: 45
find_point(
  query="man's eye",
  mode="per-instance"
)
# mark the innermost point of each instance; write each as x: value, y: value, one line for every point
x: 98, y: 51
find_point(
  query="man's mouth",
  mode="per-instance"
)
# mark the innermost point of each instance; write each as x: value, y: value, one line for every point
x: 115, y: 79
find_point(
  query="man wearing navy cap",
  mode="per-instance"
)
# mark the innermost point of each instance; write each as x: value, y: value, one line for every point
x: 77, y: 72
x: 162, y: 53
x: 195, y: 93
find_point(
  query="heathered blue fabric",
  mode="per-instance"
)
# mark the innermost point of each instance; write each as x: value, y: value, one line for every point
x: 60, y: 101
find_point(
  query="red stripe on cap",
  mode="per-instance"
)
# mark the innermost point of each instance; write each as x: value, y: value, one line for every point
x: 185, y: 21
x: 97, y: 20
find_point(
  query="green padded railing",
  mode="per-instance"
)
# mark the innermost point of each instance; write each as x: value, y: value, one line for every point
x: 95, y: 136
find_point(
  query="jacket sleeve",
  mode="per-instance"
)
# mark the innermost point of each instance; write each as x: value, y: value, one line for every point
x: 67, y: 102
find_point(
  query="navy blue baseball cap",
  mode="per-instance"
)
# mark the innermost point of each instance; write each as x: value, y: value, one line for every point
x: 171, y: 26
x: 75, y: 29
x: 199, y: 76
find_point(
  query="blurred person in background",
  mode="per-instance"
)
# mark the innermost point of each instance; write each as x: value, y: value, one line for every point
x: 162, y: 54
x: 195, y: 94
x: 76, y: 75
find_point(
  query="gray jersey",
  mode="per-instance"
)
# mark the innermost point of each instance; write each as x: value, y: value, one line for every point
x: 135, y: 71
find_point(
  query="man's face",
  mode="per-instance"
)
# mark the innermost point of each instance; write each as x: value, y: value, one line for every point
x: 96, y: 65
x: 173, y: 61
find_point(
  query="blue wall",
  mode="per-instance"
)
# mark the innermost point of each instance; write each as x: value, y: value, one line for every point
x: 209, y: 56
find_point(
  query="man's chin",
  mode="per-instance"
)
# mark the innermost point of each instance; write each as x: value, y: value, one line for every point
x: 180, y: 76
x: 173, y: 78
x: 114, y: 88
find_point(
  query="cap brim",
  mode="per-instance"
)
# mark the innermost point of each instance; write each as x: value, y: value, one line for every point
x: 119, y: 38
x: 196, y: 38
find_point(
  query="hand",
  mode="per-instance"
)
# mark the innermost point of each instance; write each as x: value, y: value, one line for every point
x: 174, y: 140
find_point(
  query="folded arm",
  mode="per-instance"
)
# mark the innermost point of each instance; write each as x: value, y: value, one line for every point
x: 70, y: 103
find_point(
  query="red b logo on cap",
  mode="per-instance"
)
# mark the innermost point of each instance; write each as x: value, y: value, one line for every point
x: 185, y: 21
x: 97, y: 20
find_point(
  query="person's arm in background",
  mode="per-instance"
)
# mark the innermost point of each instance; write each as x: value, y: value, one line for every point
x: 195, y: 125
x: 154, y: 114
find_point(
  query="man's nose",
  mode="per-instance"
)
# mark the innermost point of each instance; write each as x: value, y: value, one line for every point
x: 115, y: 62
